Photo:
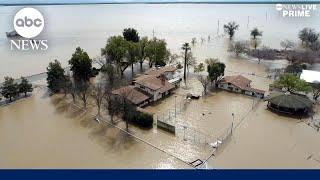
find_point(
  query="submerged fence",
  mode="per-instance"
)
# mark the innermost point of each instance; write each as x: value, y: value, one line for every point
x: 170, y: 114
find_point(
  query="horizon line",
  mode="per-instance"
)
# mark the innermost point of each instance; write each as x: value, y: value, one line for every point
x: 173, y: 2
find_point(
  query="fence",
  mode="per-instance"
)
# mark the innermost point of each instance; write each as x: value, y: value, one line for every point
x: 169, y: 115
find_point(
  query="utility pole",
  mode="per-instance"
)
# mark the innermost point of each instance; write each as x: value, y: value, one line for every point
x: 232, y: 122
x: 186, y: 48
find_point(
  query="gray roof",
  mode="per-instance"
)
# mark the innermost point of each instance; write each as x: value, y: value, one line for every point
x: 289, y: 100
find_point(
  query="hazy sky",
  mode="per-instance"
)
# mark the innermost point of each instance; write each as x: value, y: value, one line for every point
x: 93, y: 1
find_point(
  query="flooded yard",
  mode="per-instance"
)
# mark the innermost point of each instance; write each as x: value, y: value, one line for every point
x: 39, y: 132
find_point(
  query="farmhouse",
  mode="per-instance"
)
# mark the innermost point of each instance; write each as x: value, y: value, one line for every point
x: 240, y: 84
x: 156, y: 87
x: 154, y: 84
x: 169, y: 72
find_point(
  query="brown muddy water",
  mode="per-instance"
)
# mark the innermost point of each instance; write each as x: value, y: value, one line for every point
x: 44, y: 132
x: 39, y: 132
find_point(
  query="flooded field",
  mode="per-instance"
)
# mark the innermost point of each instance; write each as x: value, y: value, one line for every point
x: 39, y: 132
x: 47, y: 132
x: 267, y: 140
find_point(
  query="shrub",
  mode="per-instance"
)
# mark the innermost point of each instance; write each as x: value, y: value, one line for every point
x: 139, y: 118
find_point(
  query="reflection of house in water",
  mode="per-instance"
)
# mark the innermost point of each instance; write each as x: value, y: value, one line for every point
x: 151, y: 86
x: 240, y: 84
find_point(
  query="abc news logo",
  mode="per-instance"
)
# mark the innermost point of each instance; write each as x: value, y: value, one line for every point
x: 28, y: 23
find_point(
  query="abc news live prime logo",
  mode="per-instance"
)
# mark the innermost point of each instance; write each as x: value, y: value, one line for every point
x: 28, y: 23
x: 296, y: 10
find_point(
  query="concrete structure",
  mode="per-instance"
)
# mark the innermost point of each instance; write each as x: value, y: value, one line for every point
x: 240, y: 84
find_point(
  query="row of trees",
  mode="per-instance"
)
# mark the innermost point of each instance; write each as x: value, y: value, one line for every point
x: 11, y: 89
x: 79, y: 86
x: 129, y: 49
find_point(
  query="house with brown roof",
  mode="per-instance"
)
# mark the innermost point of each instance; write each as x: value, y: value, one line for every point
x: 133, y: 95
x: 240, y: 84
x: 169, y: 72
x: 157, y: 87
x: 153, y: 85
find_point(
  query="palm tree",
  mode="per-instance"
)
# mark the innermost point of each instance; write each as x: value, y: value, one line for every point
x: 186, y: 47
x: 230, y: 28
x: 255, y: 32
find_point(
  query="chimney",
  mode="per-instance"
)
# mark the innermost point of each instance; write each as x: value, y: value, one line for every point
x: 163, y: 79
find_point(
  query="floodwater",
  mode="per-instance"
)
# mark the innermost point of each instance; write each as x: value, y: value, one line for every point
x: 44, y: 132
x: 89, y: 26
x: 38, y: 133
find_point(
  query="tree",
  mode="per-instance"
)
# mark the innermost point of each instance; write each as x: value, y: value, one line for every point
x: 306, y: 56
x: 111, y: 73
x: 98, y: 94
x: 125, y: 108
x: 255, y: 33
x: 215, y: 70
x: 186, y: 48
x: 112, y: 105
x: 130, y: 34
x: 55, y: 76
x: 315, y: 46
x: 292, y: 83
x: 191, y: 60
x: 263, y: 53
x: 194, y: 41
x: 295, y: 68
x: 199, y: 68
x: 81, y: 65
x: 238, y: 47
x: 230, y: 28
x: 115, y: 52
x: 157, y: 52
x: 67, y: 86
x: 308, y: 36
x: 83, y: 90
x: 142, y: 53
x: 287, y: 44
x: 255, y: 43
x: 9, y: 88
x: 205, y: 81
x: 25, y: 86
x: 132, y: 54
x: 172, y: 58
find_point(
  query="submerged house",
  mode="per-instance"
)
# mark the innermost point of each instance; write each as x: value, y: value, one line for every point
x: 133, y: 95
x: 154, y: 84
x: 169, y: 72
x: 240, y: 84
x: 156, y: 87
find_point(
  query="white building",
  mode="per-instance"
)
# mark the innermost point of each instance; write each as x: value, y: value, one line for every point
x: 309, y: 76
